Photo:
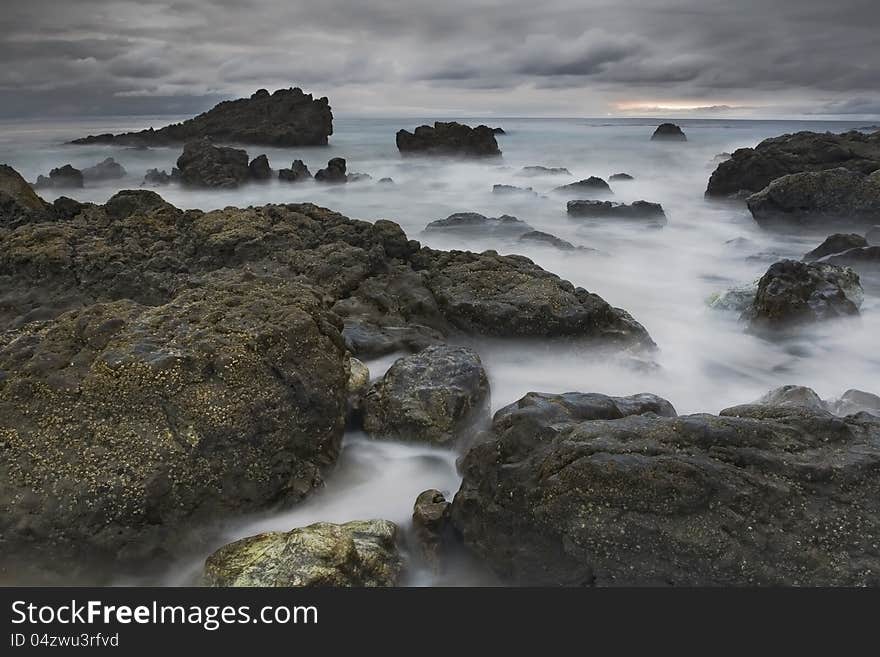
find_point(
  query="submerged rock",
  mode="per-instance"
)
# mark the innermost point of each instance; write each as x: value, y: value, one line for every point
x: 298, y: 172
x: 668, y: 132
x: 759, y: 495
x: 202, y: 164
x: 449, y: 139
x: 635, y: 210
x: 836, y: 243
x: 475, y: 222
x: 109, y: 169
x: 434, y: 396
x: 544, y: 171
x: 260, y: 169
x: 540, y: 237
x: 591, y: 185
x: 333, y: 173
x: 620, y: 176
x: 794, y: 292
x: 513, y: 189
x: 157, y: 177
x: 359, y: 553
x: 287, y: 117
x: 750, y: 170
x: 737, y: 299
x: 818, y: 198
x: 66, y: 177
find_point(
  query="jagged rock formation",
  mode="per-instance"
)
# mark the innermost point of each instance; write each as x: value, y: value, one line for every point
x: 449, y: 139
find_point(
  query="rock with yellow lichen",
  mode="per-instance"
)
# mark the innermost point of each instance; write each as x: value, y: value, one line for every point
x: 125, y: 424
x: 358, y: 553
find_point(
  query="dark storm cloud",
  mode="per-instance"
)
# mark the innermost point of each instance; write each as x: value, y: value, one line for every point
x: 178, y: 56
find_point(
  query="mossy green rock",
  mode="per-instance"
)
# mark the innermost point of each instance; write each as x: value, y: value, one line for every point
x: 359, y: 553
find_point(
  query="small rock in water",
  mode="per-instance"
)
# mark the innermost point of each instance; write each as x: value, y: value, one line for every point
x: 361, y: 553
x: 66, y: 177
x: 544, y: 171
x: 620, y: 177
x: 260, y: 169
x: 512, y: 189
x: 202, y: 164
x: 837, y: 243
x: 431, y: 514
x: 386, y: 181
x: 449, y: 139
x: 298, y: 172
x: 635, y: 210
x: 668, y: 132
x: 541, y: 237
x: 475, y: 222
x: 591, y: 185
x: 109, y: 169
x: 358, y: 177
x: 334, y: 172
x: 157, y: 177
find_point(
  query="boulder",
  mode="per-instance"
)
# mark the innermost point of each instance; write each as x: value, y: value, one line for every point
x: 129, y: 202
x: 544, y: 171
x: 203, y: 164
x: 259, y: 169
x: 611, y: 496
x: 65, y: 177
x: 285, y: 118
x: 750, y: 170
x: 298, y: 172
x: 794, y: 292
x: 359, y: 553
x: 855, y: 401
x: 449, y: 139
x: 540, y: 237
x: 431, y: 522
x: 474, y: 222
x: 592, y: 185
x: 822, y: 199
x: 668, y: 132
x: 109, y: 169
x: 333, y: 173
x: 436, y: 396
x: 637, y: 210
x: 620, y: 177
x: 125, y: 426
x: 793, y: 396
x: 836, y: 243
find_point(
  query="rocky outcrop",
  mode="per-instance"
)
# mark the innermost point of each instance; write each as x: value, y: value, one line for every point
x: 593, y: 185
x: 435, y: 396
x: 16, y: 196
x: 298, y: 172
x: 473, y: 222
x: 157, y: 177
x: 66, y: 177
x: 836, y: 243
x: 638, y: 210
x: 793, y: 292
x: 544, y: 171
x: 203, y: 164
x: 598, y: 492
x: 359, y: 553
x: 750, y: 170
x: 259, y: 168
x: 449, y: 139
x: 668, y: 132
x: 287, y: 117
x: 108, y: 169
x: 333, y: 173
x: 834, y: 197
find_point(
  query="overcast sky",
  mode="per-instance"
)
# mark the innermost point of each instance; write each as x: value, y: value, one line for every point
x: 770, y: 58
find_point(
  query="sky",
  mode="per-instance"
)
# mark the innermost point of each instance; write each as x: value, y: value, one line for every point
x: 689, y: 58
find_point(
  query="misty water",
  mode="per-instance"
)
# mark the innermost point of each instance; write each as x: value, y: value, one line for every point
x: 663, y: 276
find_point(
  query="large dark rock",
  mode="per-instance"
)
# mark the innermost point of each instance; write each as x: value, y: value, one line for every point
x: 333, y: 173
x: 750, y: 170
x: 668, y: 132
x: 510, y: 296
x: 592, y: 185
x: 822, y: 199
x: 449, y: 139
x: 17, y: 198
x: 108, y: 169
x: 287, y: 117
x: 473, y: 222
x: 298, y: 172
x: 203, y: 164
x: 66, y: 177
x: 635, y: 210
x: 435, y: 396
x: 359, y: 553
x: 794, y: 292
x: 602, y: 493
x: 836, y: 243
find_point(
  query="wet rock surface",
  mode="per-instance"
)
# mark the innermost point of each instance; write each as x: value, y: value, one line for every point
x: 358, y: 553
x: 298, y: 172
x: 637, y: 210
x: 202, y: 164
x: 436, y: 396
x: 599, y: 494
x: 334, y: 172
x: 750, y: 170
x: 836, y: 243
x: 287, y: 117
x: 449, y: 139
